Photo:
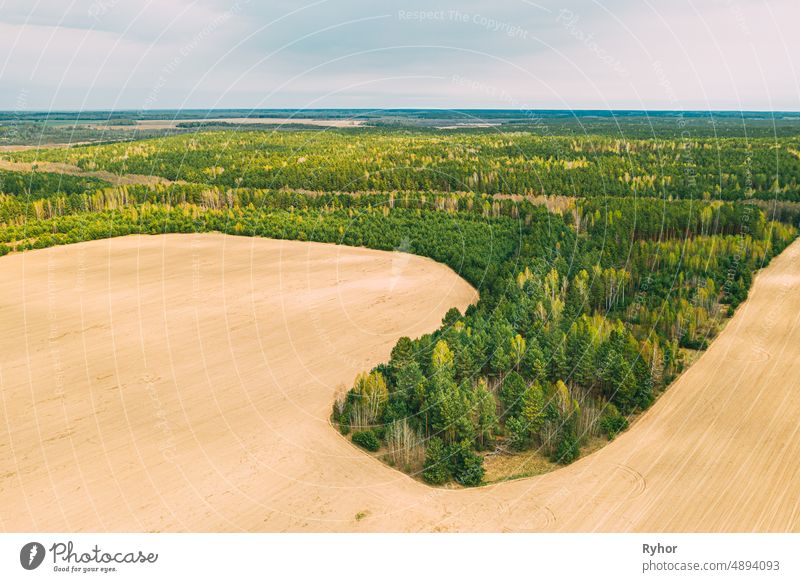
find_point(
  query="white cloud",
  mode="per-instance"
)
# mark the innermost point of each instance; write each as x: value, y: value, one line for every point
x: 702, y: 54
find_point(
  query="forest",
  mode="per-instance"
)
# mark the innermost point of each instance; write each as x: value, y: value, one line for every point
x: 587, y: 311
x: 487, y: 162
x: 577, y: 338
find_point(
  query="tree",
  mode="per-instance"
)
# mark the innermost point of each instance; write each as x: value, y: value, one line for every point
x: 605, y: 306
x: 619, y: 383
x: 567, y: 449
x: 559, y: 367
x: 450, y: 415
x: 372, y: 396
x: 501, y: 360
x: 485, y: 414
x: 410, y: 384
x: 466, y: 466
x: 442, y: 360
x: 527, y: 423
x: 517, y: 350
x: 533, y: 363
x: 533, y: 407
x: 402, y: 353
x: 436, y: 469
x: 612, y: 422
x: 451, y: 317
x: 367, y: 440
x: 518, y: 433
x: 580, y: 354
x: 511, y: 394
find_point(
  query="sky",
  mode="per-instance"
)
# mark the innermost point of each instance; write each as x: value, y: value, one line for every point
x: 500, y: 54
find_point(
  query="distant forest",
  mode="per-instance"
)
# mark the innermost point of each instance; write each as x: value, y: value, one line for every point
x: 57, y: 127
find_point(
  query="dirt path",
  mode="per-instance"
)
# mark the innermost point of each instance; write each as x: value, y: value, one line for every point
x: 183, y: 382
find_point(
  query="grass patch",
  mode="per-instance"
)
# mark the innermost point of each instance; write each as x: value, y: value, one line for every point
x: 508, y: 466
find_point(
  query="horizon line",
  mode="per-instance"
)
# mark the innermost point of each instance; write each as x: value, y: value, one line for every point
x: 398, y: 109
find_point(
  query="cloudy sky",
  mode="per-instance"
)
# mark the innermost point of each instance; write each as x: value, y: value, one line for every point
x: 515, y: 54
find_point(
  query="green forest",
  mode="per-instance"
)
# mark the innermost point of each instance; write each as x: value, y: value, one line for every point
x: 515, y: 162
x: 588, y: 309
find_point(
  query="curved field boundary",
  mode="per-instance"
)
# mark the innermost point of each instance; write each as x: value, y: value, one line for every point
x: 183, y: 383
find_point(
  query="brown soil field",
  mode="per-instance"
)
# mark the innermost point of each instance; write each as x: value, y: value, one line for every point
x: 184, y: 382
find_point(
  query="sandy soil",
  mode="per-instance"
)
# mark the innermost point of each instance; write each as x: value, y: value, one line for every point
x: 184, y: 382
x: 160, y: 383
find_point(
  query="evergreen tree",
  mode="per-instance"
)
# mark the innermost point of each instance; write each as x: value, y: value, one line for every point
x: 436, y: 469
x: 512, y: 392
x: 485, y: 415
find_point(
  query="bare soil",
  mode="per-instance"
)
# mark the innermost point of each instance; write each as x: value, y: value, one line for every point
x: 184, y: 383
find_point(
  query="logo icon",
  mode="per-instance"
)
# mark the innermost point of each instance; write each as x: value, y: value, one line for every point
x: 31, y: 555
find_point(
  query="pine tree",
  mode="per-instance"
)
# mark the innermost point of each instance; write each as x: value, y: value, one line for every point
x: 532, y: 412
x: 512, y: 392
x: 485, y: 414
x: 436, y: 469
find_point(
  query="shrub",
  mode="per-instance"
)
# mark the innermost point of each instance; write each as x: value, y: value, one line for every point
x: 342, y: 409
x: 518, y: 433
x: 367, y: 440
x: 470, y: 472
x: 466, y: 465
x: 612, y: 423
x: 380, y: 432
x: 567, y: 449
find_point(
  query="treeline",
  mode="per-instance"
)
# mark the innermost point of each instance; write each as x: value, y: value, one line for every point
x: 518, y: 162
x: 472, y: 245
x: 56, y: 203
